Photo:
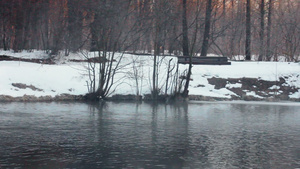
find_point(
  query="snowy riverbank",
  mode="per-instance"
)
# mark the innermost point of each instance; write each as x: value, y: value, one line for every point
x: 240, y: 81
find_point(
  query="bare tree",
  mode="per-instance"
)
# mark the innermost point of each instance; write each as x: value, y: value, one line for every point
x: 207, y: 28
x: 107, y: 37
x: 6, y: 22
x: 181, y: 27
x: 74, y: 26
x: 289, y: 26
x: 185, y: 49
x: 262, y: 30
x: 137, y: 74
x: 185, y: 40
x: 248, y: 31
x: 19, y: 26
x: 269, y: 26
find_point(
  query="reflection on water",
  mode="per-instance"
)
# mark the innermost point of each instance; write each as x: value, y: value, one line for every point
x: 129, y: 135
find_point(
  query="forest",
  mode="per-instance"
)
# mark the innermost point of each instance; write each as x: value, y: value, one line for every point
x: 259, y: 29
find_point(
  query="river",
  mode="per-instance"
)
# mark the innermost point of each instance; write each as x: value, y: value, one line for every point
x: 131, y: 135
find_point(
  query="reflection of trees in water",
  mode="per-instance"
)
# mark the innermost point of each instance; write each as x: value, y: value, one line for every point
x: 258, y: 137
x: 129, y: 135
x: 169, y: 134
x: 97, y: 107
x: 183, y: 135
x: 173, y: 139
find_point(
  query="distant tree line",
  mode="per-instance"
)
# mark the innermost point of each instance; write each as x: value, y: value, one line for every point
x: 263, y: 28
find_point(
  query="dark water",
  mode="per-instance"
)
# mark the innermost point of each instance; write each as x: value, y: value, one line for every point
x: 129, y: 135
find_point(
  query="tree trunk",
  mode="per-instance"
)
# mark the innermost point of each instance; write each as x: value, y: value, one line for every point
x: 268, y: 55
x: 185, y: 47
x: 4, y: 35
x: 75, y: 20
x: 248, y: 31
x: 262, y: 30
x: 154, y: 92
x: 185, y: 93
x: 207, y: 28
x: 19, y: 20
x: 185, y: 40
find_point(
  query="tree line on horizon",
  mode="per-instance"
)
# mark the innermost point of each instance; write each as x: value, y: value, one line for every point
x: 263, y: 28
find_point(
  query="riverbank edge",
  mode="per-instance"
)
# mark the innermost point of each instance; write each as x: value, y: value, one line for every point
x: 132, y: 98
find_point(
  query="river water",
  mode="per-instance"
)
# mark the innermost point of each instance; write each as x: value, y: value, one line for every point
x: 131, y: 135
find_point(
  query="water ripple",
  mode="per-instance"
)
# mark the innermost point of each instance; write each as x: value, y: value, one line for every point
x: 119, y: 135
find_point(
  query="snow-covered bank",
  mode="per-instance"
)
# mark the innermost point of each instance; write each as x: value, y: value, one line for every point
x: 239, y: 81
x: 51, y: 79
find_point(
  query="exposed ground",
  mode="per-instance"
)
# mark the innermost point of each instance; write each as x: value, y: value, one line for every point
x: 261, y: 89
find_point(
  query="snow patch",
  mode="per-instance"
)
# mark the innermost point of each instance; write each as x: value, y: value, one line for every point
x: 295, y: 95
x: 252, y: 93
x: 236, y: 85
x: 34, y: 54
x: 274, y: 87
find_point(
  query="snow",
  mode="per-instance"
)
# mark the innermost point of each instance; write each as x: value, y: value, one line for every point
x: 34, y: 54
x: 252, y: 93
x: 264, y: 70
x: 274, y: 87
x: 53, y: 80
x: 71, y: 77
x: 236, y: 85
x: 295, y: 95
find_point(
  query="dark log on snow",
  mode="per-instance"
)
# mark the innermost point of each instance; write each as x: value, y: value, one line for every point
x: 204, y: 60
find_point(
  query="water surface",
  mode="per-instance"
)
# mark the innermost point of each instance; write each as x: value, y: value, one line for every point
x: 130, y: 135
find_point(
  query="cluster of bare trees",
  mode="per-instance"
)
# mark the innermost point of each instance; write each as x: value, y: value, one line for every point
x: 256, y: 29
x: 262, y: 28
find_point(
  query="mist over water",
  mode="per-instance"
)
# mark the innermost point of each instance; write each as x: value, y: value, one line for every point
x: 130, y: 135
